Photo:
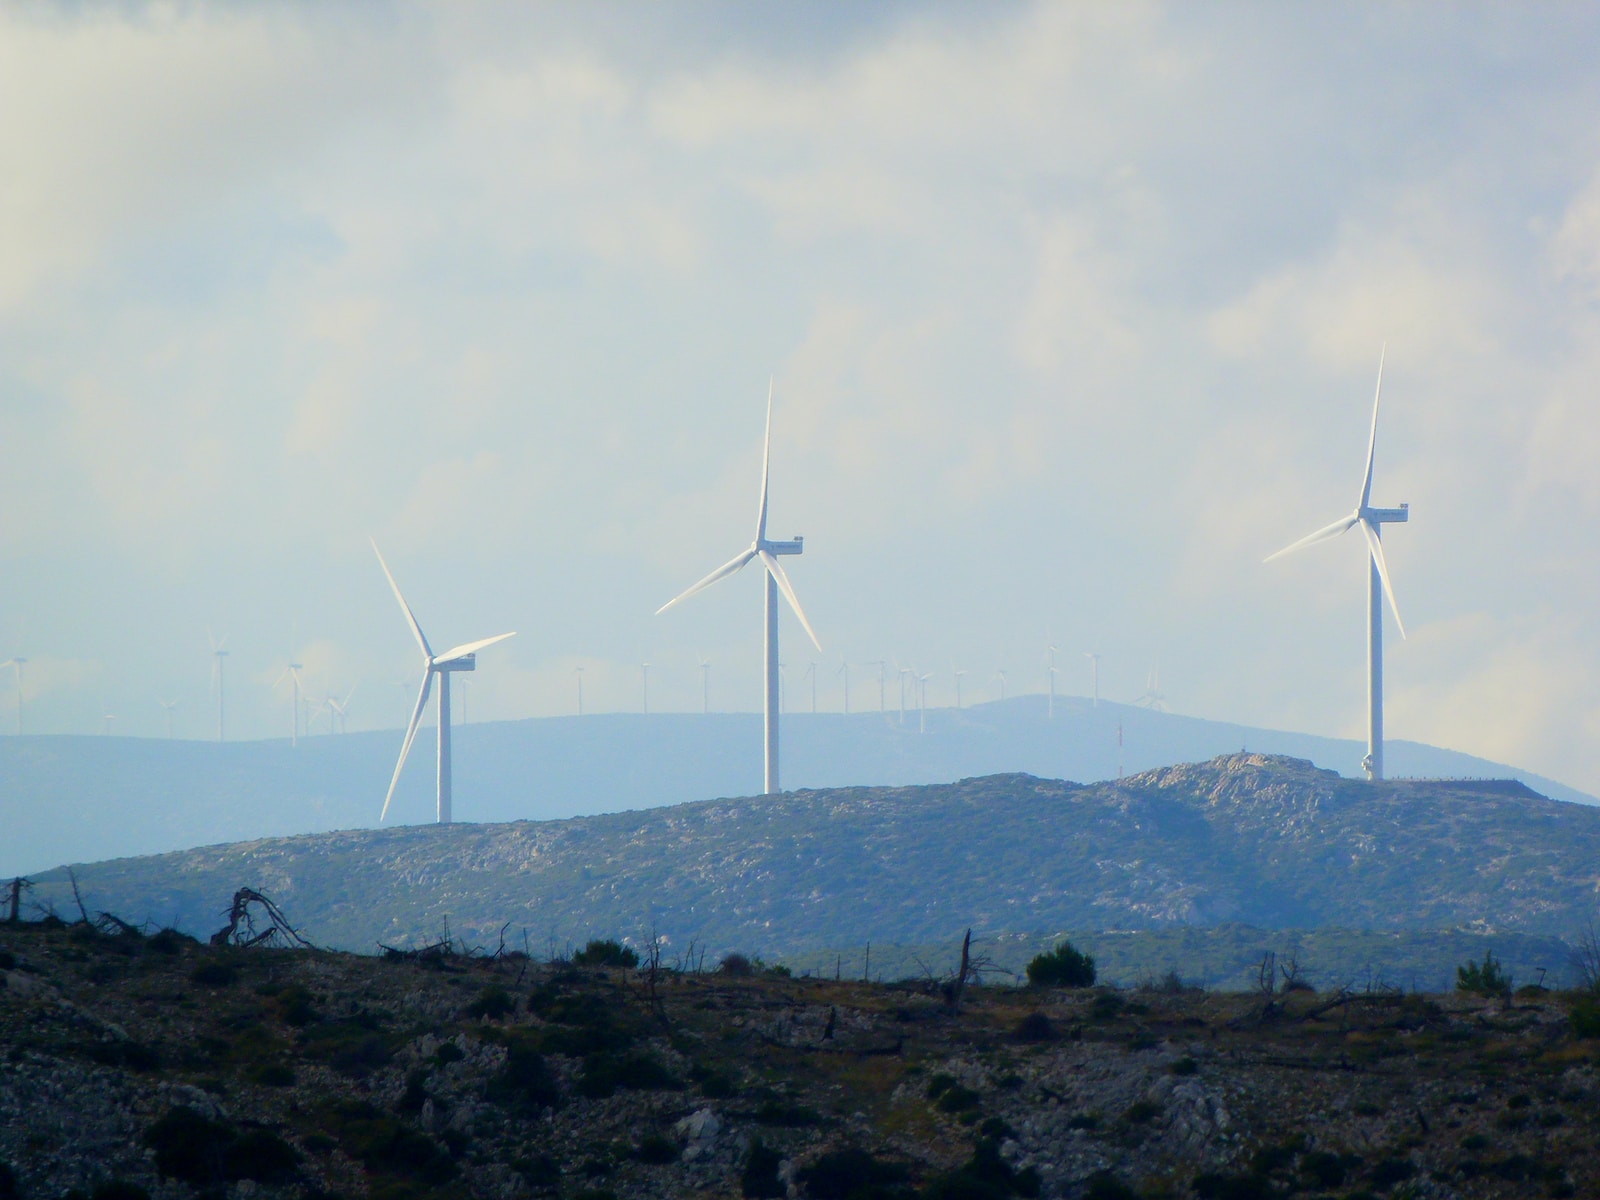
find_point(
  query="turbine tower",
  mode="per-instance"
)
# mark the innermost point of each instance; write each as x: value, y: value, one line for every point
x: 461, y: 658
x: 1000, y: 674
x: 1372, y: 520
x: 578, y: 671
x: 292, y: 673
x: 169, y: 705
x: 217, y: 679
x: 1094, y: 658
x: 1050, y: 652
x: 768, y: 552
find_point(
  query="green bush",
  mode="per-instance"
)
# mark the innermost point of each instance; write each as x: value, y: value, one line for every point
x: 541, y: 1172
x: 605, y: 953
x: 1585, y: 1018
x: 1035, y: 1027
x: 118, y: 1189
x: 655, y: 1150
x: 205, y: 1153
x: 1065, y: 966
x: 525, y: 1081
x: 1487, y: 978
x: 213, y: 974
x: 760, y: 1178
x: 492, y: 1003
x: 851, y: 1174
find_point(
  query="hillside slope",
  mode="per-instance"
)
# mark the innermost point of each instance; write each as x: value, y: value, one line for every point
x: 1266, y: 841
x: 77, y: 799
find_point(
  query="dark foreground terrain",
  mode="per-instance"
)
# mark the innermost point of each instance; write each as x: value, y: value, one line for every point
x: 131, y: 1062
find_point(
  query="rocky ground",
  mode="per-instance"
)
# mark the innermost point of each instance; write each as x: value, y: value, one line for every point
x: 133, y: 1063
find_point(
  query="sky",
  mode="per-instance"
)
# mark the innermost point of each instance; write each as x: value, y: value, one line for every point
x: 1072, y: 314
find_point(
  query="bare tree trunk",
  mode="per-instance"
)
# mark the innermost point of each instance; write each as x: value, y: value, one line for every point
x: 960, y: 984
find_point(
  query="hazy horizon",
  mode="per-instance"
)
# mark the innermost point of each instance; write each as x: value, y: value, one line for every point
x: 1073, y: 312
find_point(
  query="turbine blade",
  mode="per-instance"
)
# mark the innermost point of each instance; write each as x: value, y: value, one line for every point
x: 411, y: 736
x: 1376, y: 544
x: 470, y: 647
x: 787, y: 589
x: 766, y: 461
x: 404, y: 607
x: 1372, y: 442
x: 1321, y: 535
x: 722, y: 572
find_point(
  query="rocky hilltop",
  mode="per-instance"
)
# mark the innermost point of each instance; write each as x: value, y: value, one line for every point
x: 1243, y: 839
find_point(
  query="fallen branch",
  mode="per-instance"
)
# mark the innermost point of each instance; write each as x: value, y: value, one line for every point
x: 278, y: 930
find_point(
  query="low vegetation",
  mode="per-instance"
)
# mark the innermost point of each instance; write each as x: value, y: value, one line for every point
x: 133, y: 1067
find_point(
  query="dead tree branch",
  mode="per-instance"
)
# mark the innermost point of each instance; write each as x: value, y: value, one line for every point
x: 241, y: 927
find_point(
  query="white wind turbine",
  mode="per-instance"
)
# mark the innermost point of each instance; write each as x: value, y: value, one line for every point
x: 218, y: 653
x: 1000, y: 674
x: 1371, y: 520
x: 169, y: 705
x: 292, y: 673
x: 922, y: 700
x: 1050, y: 658
x: 844, y: 669
x: 341, y: 709
x: 461, y: 658
x: 705, y: 686
x: 768, y: 552
x: 1094, y: 658
x: 958, y: 674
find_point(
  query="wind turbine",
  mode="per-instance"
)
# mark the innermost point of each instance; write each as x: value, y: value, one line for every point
x: 705, y: 686
x: 922, y: 700
x: 883, y: 666
x: 1050, y: 652
x: 461, y: 658
x: 958, y: 675
x: 340, y: 708
x: 1095, y: 659
x: 1153, y: 699
x: 16, y: 663
x: 1000, y: 674
x: 169, y: 705
x: 1371, y: 520
x: 768, y: 552
x: 218, y: 653
x: 292, y: 673
x: 904, y: 671
x: 844, y: 669
x: 578, y: 671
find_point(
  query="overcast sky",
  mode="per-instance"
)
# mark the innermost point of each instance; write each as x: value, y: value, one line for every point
x: 1074, y: 313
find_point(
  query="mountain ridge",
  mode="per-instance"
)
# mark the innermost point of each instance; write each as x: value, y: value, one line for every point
x: 1244, y: 839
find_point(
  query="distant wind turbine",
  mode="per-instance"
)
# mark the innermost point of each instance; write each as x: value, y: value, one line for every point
x: 958, y: 675
x: 16, y: 663
x: 811, y: 674
x: 1001, y: 676
x: 461, y: 658
x: 844, y: 669
x: 1050, y: 652
x: 768, y: 552
x: 1371, y: 520
x: 1153, y: 699
x: 292, y: 673
x: 705, y: 685
x: 340, y: 709
x: 883, y: 667
x: 922, y: 701
x: 218, y: 653
x: 1095, y: 659
x: 169, y: 705
x: 578, y: 671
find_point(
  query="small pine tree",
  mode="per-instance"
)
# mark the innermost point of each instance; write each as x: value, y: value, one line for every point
x: 1487, y: 978
x: 1065, y: 966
